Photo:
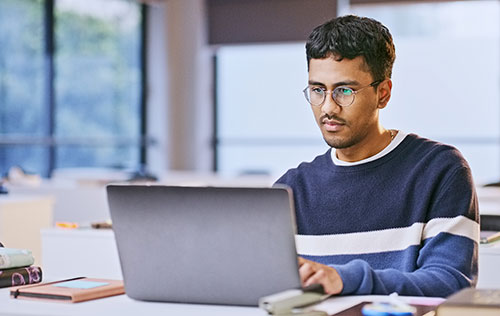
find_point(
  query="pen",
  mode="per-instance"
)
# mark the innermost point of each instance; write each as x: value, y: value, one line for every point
x: 490, y: 239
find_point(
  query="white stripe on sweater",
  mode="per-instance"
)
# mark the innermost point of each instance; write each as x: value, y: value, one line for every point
x: 393, y: 239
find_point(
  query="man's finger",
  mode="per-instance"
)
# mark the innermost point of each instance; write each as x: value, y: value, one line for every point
x: 301, y: 261
x: 305, y: 272
x: 319, y: 277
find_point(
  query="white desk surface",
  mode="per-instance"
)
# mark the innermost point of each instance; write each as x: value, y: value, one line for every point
x: 123, y: 305
x: 117, y: 305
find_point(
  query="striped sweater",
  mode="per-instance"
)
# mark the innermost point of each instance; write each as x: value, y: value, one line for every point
x: 406, y: 222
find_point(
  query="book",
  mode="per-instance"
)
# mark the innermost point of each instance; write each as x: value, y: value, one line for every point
x: 15, y: 258
x: 70, y: 291
x: 471, y: 302
x: 20, y: 276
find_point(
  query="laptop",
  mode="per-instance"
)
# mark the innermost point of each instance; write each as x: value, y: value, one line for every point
x: 209, y: 245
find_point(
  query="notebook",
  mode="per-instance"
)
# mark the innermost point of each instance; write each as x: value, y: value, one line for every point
x: 210, y: 245
x: 71, y: 291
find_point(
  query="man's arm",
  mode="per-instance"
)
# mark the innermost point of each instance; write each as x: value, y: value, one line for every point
x: 443, y: 271
x: 446, y: 261
x: 437, y: 276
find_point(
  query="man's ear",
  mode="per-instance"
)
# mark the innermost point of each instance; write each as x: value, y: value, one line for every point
x: 384, y: 89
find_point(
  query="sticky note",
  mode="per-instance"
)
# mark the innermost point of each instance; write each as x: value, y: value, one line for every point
x: 80, y: 284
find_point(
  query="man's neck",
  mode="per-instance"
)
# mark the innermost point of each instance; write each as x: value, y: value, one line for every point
x: 368, y: 147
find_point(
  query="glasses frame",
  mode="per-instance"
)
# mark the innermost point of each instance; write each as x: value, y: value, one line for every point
x: 326, y: 92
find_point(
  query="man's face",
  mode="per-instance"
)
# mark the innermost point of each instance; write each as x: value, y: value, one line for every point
x: 351, y: 126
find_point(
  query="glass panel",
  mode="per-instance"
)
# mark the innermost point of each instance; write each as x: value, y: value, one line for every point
x: 21, y: 82
x: 261, y: 111
x: 32, y: 159
x: 92, y: 156
x: 262, y: 98
x: 97, y: 79
x: 446, y: 75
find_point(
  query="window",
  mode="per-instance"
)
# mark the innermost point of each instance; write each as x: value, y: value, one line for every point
x: 447, y: 76
x: 23, y: 115
x: 79, y: 104
x: 446, y: 87
x: 264, y: 125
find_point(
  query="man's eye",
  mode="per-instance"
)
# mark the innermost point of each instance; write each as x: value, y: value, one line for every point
x: 344, y: 91
x: 317, y: 90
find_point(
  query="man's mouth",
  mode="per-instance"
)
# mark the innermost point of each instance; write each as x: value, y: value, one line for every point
x: 332, y: 125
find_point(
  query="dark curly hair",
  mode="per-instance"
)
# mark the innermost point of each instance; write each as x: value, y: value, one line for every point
x: 351, y: 36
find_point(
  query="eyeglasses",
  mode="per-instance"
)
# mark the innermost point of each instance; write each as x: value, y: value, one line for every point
x: 343, y: 96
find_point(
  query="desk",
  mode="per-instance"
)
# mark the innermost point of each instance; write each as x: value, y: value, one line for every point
x: 122, y: 305
x: 489, y: 266
x: 117, y: 305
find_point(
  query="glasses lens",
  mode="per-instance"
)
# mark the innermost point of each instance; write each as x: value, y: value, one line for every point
x: 314, y: 95
x: 343, y: 96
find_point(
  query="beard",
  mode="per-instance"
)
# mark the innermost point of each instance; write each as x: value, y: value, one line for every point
x: 339, y: 142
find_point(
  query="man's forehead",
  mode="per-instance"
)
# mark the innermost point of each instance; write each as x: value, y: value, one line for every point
x: 356, y: 64
x: 360, y: 60
x: 341, y: 69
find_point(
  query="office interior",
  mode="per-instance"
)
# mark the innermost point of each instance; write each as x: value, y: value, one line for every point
x: 213, y: 97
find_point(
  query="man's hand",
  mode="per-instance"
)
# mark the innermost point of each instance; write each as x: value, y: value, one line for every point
x: 312, y: 272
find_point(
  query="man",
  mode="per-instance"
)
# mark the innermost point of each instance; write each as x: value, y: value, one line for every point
x: 381, y: 211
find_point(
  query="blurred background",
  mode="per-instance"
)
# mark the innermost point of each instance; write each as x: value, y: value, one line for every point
x: 210, y: 92
x: 150, y: 87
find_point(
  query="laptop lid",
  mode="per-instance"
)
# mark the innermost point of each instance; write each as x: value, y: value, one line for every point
x: 209, y: 245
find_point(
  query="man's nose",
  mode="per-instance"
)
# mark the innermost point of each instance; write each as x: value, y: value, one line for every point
x: 330, y: 106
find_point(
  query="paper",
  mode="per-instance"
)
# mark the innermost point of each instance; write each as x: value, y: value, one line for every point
x: 80, y: 284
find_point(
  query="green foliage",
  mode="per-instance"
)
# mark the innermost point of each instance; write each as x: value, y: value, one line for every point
x: 97, y: 78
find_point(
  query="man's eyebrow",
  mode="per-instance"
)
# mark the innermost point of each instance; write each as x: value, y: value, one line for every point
x: 337, y: 84
x: 347, y: 83
x: 315, y: 83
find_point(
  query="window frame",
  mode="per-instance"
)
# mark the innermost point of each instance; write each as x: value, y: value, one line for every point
x: 49, y: 140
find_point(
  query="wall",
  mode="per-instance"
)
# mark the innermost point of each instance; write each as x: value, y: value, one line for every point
x: 180, y: 87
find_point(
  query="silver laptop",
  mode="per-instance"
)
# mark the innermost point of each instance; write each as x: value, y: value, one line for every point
x: 208, y: 245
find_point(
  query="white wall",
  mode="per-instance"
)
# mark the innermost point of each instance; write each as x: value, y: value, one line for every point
x: 180, y: 89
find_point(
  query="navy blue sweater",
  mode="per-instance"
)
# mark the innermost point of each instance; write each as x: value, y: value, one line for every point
x: 406, y: 222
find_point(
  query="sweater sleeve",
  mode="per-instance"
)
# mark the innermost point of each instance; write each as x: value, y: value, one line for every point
x: 447, y: 260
